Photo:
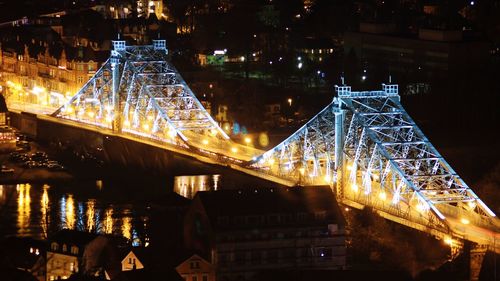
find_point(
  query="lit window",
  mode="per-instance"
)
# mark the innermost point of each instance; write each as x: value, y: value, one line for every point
x: 64, y: 248
x: 54, y: 246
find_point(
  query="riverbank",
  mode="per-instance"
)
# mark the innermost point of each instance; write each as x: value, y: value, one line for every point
x: 18, y: 172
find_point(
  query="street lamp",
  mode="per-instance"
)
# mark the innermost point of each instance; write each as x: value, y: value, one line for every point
x: 289, y: 101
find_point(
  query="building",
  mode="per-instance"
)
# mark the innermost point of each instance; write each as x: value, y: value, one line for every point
x: 133, y: 259
x: 430, y: 54
x: 65, y: 252
x: 196, y: 268
x: 316, y: 49
x: 38, y: 73
x: 243, y: 232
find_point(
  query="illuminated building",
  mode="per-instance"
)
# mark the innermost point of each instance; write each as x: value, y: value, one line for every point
x: 65, y: 252
x: 245, y: 232
x: 46, y: 75
x: 196, y: 268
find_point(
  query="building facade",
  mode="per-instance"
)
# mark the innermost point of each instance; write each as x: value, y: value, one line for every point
x: 196, y: 268
x: 65, y: 252
x: 38, y: 75
x: 246, y: 232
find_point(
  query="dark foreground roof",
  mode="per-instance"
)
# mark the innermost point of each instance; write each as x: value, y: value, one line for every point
x: 270, y: 201
x: 73, y: 237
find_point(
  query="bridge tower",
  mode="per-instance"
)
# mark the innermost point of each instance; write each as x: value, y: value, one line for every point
x: 118, y: 48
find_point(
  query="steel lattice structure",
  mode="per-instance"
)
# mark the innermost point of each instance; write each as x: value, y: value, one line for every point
x: 138, y: 91
x: 367, y: 145
x: 363, y: 144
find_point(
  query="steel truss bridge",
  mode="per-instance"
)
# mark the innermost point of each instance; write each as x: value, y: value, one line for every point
x: 363, y: 144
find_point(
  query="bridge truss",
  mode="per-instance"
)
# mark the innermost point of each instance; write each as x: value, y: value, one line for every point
x: 137, y: 91
x: 368, y: 147
x: 363, y: 144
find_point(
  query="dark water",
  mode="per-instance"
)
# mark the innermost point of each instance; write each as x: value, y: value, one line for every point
x: 37, y: 210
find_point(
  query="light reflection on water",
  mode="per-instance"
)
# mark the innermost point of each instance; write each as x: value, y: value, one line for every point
x: 23, y: 207
x: 37, y: 210
x: 187, y: 186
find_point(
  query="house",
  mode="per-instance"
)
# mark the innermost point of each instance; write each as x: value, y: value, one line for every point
x: 65, y: 252
x: 243, y: 232
x: 133, y: 259
x: 196, y: 268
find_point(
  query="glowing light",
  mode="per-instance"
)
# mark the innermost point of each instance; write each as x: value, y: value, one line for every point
x: 471, y: 204
x: 299, y: 66
x: 242, y: 58
x: 234, y: 150
x: 70, y: 212
x: 448, y: 241
x: 90, y: 215
x: 127, y: 227
x: 205, y: 142
x: 349, y: 167
x: 421, y: 207
x: 150, y: 117
x: 91, y: 114
x: 302, y: 170
x: 289, y: 101
x: 23, y: 206
x: 145, y: 127
x: 328, y: 178
x: 172, y: 133
x: 248, y: 140
x: 44, y: 208
x: 354, y: 187
x: 464, y: 221
x: 109, y: 118
x: 108, y: 221
x: 126, y: 123
x: 37, y: 90
x: 375, y: 177
x: 382, y: 195
x: 271, y: 161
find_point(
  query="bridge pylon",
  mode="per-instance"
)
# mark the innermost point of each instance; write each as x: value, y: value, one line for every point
x: 367, y: 146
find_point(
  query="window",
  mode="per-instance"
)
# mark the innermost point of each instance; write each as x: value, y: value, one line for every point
x: 72, y: 267
x: 79, y: 80
x: 64, y: 248
x: 204, y: 277
x: 74, y: 250
x: 54, y: 246
x: 194, y: 278
x: 195, y: 264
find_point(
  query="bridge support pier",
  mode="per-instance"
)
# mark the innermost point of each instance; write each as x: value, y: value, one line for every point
x: 476, y: 256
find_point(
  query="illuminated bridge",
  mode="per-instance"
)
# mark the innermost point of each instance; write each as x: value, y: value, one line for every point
x: 363, y: 144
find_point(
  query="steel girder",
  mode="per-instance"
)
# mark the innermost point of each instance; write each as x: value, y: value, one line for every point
x: 152, y: 100
x: 385, y: 146
x: 308, y: 155
x: 387, y: 161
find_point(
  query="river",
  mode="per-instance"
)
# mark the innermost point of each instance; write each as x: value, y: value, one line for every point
x: 37, y: 209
